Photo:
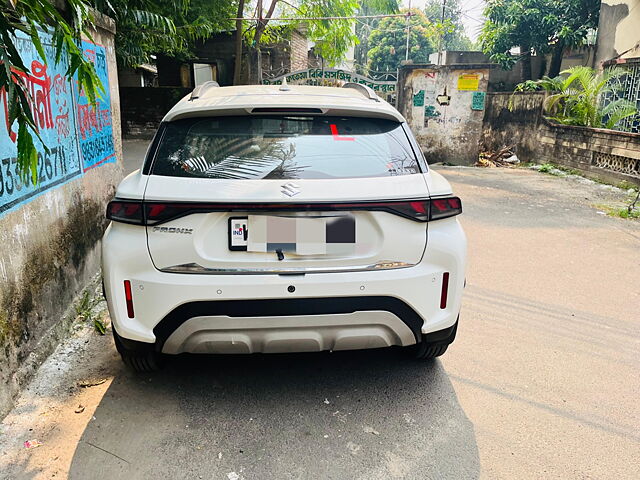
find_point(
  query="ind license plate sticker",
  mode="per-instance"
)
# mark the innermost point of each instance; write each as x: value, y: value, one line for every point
x: 238, y: 233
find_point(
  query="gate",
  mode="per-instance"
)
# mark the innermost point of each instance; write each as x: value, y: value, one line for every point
x: 333, y: 77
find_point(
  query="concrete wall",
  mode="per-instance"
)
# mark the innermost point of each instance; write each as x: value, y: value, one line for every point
x: 606, y: 155
x: 618, y: 30
x: 49, y: 234
x: 143, y: 108
x: 505, y: 80
x: 446, y: 133
x: 511, y: 120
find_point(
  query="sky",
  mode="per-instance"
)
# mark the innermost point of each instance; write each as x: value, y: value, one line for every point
x: 471, y: 14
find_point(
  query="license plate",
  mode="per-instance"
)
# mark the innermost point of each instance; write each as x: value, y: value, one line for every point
x: 334, y: 234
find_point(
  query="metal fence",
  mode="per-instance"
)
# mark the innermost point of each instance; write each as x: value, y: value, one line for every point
x: 628, y: 86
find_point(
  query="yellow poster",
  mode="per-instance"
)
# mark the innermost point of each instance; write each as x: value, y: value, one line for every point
x: 468, y: 81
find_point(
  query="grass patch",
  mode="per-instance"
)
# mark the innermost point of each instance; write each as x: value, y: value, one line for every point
x: 619, y: 212
x: 551, y: 169
x: 84, y: 311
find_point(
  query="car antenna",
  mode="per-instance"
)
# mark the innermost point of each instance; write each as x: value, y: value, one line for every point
x: 284, y: 86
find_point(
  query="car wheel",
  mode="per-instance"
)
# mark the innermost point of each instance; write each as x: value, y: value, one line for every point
x: 138, y: 356
x: 433, y: 344
x: 426, y: 351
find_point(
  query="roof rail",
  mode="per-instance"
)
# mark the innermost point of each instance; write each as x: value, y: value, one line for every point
x: 366, y: 91
x: 200, y: 89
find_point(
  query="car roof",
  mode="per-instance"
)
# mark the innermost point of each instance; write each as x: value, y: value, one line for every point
x: 242, y: 100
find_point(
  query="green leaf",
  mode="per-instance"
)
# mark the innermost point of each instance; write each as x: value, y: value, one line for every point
x: 35, y: 38
x: 99, y: 326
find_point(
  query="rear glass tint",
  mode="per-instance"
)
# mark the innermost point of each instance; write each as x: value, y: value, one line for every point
x: 284, y: 147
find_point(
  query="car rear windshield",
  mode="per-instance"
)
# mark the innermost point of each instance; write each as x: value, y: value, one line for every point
x: 284, y: 147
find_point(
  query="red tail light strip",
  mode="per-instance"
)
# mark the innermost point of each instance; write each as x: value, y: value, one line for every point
x: 155, y: 213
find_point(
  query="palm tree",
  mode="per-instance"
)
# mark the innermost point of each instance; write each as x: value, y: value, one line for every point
x: 580, y: 98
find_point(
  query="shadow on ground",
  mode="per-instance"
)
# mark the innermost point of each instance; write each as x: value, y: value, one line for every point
x: 370, y: 414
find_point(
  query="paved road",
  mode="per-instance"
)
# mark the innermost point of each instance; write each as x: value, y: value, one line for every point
x: 133, y: 152
x: 542, y: 381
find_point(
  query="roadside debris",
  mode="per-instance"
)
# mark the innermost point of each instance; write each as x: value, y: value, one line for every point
x: 326, y: 401
x: 79, y: 409
x: 91, y: 383
x: 371, y: 431
x: 32, y: 444
x: 504, y: 157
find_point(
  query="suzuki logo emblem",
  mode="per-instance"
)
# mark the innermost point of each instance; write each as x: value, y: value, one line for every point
x: 290, y: 189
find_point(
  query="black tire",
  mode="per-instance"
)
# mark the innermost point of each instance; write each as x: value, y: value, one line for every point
x: 433, y: 344
x: 141, y: 358
x: 425, y: 351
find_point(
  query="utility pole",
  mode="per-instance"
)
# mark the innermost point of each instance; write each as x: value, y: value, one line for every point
x: 406, y: 55
x: 444, y: 4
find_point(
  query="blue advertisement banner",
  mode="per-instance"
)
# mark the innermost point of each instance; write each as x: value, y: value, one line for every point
x: 58, y: 108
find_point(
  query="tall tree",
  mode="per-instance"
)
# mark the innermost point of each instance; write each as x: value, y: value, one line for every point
x: 332, y: 36
x: 536, y: 26
x: 31, y: 17
x: 454, y: 38
x: 390, y: 42
x: 365, y: 26
x: 576, y: 19
x: 147, y: 27
x: 237, y: 66
x: 516, y: 23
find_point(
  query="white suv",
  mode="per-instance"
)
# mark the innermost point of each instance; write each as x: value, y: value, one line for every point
x: 282, y: 219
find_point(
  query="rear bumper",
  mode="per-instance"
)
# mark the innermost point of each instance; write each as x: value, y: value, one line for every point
x: 277, y: 326
x: 165, y: 301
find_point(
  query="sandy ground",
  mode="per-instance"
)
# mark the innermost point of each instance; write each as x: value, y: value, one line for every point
x: 542, y: 381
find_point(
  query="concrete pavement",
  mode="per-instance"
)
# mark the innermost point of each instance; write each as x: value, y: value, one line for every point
x: 542, y: 381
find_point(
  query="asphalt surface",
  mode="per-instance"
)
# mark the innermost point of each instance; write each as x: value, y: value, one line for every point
x: 134, y: 151
x: 542, y: 381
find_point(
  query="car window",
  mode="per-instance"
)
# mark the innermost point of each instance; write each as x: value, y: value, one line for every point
x: 284, y: 147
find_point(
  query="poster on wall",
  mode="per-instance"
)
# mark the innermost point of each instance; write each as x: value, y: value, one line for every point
x: 469, y: 81
x: 78, y: 136
x: 95, y: 132
x: 52, y: 105
x: 477, y: 101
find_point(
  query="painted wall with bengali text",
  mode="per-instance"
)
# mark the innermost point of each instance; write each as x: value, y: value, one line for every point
x: 78, y: 135
x: 50, y: 232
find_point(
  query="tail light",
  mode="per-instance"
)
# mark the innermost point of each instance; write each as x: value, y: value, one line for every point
x: 445, y: 207
x: 155, y: 213
x: 125, y: 211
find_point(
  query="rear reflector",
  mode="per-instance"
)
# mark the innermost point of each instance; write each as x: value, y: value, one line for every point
x: 155, y: 213
x: 129, y: 298
x: 445, y: 290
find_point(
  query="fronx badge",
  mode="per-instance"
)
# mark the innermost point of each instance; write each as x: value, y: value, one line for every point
x: 290, y: 189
